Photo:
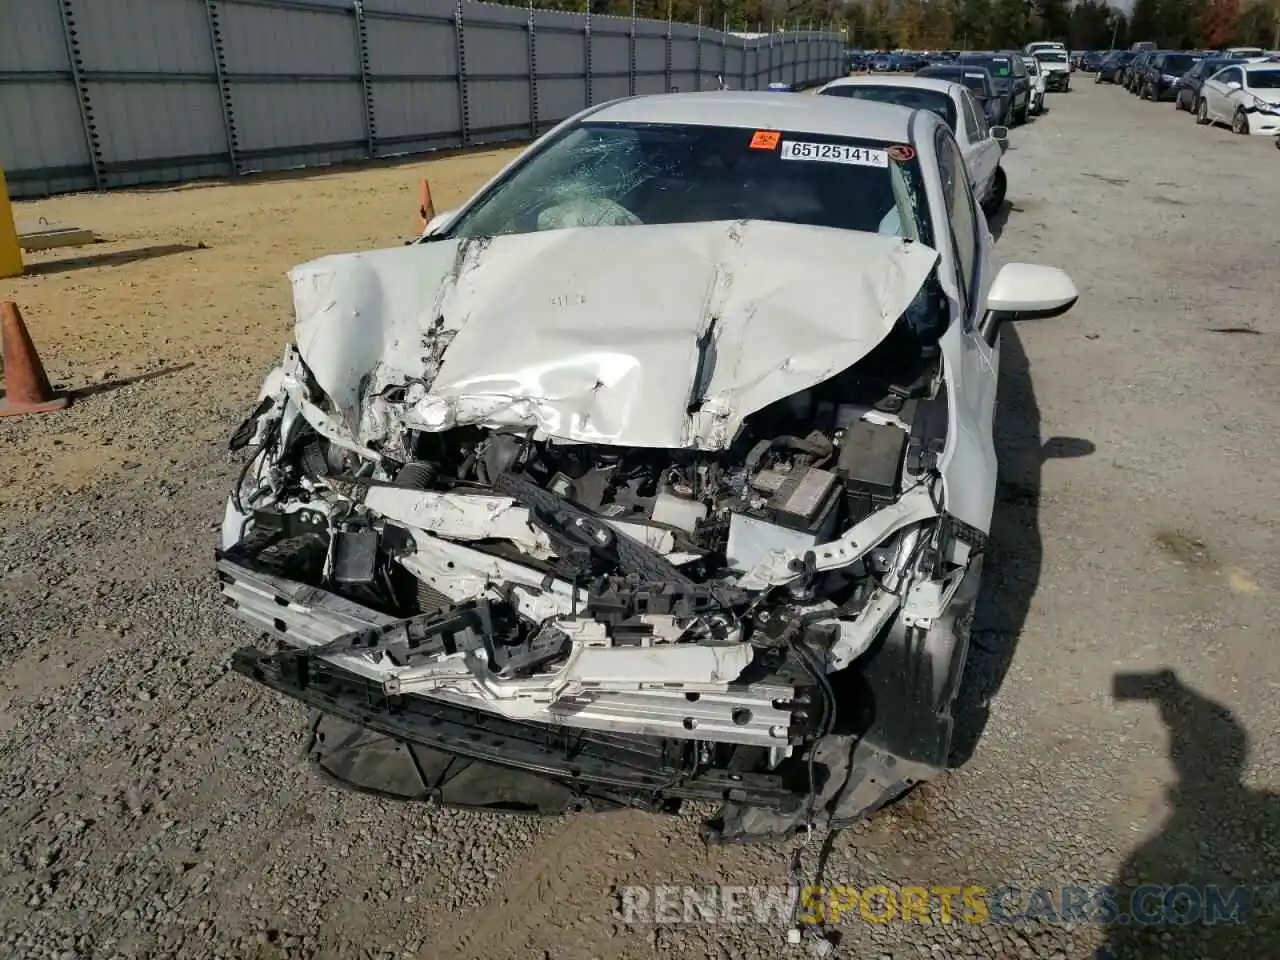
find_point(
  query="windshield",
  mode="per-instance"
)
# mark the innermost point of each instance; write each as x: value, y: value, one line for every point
x: 914, y: 98
x: 1176, y: 66
x: 613, y: 174
x: 1000, y: 68
x: 1209, y: 67
x: 1264, y: 79
x: 975, y: 80
x: 1051, y: 56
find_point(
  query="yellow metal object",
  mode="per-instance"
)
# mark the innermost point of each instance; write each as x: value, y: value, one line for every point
x: 10, y: 252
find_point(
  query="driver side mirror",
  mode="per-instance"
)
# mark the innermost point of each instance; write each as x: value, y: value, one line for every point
x: 1233, y: 85
x: 1027, y: 291
x: 1001, y: 136
x: 439, y: 222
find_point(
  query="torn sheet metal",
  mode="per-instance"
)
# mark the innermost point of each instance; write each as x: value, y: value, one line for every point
x: 588, y: 667
x: 470, y: 517
x: 662, y: 336
x: 475, y: 516
x: 785, y: 566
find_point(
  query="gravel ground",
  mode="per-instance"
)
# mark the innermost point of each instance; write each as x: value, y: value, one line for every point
x: 153, y: 805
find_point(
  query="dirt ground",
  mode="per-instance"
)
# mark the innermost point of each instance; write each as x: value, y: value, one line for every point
x: 153, y: 805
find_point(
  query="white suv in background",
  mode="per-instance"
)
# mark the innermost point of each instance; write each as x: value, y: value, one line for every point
x: 1055, y: 68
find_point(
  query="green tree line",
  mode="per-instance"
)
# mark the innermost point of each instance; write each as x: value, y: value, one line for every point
x: 973, y: 24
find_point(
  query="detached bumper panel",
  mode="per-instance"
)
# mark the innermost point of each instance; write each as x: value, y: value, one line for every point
x: 615, y: 768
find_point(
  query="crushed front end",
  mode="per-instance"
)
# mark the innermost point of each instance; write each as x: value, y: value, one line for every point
x: 488, y: 614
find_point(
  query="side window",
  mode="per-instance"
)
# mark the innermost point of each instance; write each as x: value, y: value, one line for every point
x: 961, y: 214
x: 1233, y: 74
x: 974, y: 117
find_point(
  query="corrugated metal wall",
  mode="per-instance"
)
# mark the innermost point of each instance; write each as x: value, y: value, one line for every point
x: 109, y: 93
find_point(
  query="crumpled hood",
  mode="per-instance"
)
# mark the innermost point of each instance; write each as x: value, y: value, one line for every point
x: 652, y: 336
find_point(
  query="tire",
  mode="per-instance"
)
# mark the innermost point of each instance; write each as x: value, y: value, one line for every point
x: 1240, y: 122
x: 1097, y: 78
x: 1202, y: 112
x: 1177, y: 101
x: 1021, y: 115
x: 999, y: 187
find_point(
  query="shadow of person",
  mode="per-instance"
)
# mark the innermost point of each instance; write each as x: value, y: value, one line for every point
x: 1205, y: 886
x: 1011, y: 571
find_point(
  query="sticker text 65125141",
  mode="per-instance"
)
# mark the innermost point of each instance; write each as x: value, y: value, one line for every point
x: 833, y: 153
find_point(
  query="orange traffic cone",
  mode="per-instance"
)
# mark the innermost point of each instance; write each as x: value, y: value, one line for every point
x: 426, y: 209
x: 27, y: 388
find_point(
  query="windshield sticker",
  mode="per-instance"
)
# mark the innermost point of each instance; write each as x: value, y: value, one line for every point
x: 976, y: 76
x: 901, y: 152
x: 765, y: 140
x: 833, y: 153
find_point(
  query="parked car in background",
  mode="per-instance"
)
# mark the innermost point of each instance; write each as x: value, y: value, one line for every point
x: 1246, y: 96
x: 856, y: 60
x: 1142, y: 45
x: 1036, y: 45
x: 1056, y: 70
x: 1187, y: 96
x: 1009, y: 77
x: 1243, y: 52
x: 981, y: 144
x: 995, y: 105
x: 1135, y: 70
x: 1163, y: 75
x: 883, y: 63
x: 1092, y: 61
x: 1036, y: 76
x: 1112, y: 67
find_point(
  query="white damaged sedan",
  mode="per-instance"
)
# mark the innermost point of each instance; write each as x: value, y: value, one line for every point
x: 660, y: 470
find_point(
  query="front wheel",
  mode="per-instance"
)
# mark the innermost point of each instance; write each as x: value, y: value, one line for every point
x: 1202, y: 112
x: 995, y: 196
x: 1021, y: 115
x: 1240, y: 122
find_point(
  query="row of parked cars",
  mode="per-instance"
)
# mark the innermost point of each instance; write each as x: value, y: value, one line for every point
x: 1009, y: 85
x: 1236, y: 87
x: 980, y: 94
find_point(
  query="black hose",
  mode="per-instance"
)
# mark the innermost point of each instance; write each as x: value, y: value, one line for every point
x: 418, y: 475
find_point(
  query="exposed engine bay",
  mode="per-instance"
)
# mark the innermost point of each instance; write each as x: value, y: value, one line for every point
x: 632, y: 624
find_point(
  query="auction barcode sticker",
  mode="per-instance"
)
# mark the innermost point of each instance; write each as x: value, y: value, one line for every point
x: 833, y: 153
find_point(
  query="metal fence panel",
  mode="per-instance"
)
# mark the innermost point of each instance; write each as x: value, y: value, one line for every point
x: 417, y: 116
x: 285, y: 41
x: 142, y: 36
x: 31, y: 38
x: 610, y: 59
x: 103, y: 93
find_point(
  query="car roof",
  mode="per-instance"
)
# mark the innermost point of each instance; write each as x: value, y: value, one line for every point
x: 914, y: 83
x: 829, y: 116
x: 952, y: 69
x: 1252, y: 65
